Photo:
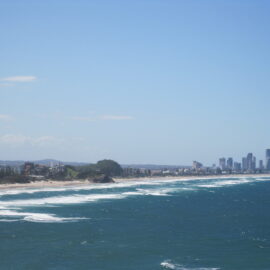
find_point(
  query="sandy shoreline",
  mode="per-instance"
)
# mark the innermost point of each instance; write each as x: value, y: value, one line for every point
x: 189, y: 177
x: 45, y: 184
x: 53, y: 183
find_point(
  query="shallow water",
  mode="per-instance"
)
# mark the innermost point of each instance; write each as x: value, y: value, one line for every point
x: 163, y: 224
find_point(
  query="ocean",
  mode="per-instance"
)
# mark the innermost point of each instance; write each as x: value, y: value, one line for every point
x: 199, y: 224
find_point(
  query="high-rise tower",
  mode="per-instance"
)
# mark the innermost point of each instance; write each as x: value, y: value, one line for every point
x: 267, y: 159
x: 250, y: 161
x: 222, y: 163
x: 230, y: 163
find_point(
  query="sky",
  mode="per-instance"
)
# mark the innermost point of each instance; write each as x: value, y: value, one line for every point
x: 145, y: 81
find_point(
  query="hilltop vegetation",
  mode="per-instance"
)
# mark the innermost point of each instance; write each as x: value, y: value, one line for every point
x: 100, y: 172
x: 107, y: 167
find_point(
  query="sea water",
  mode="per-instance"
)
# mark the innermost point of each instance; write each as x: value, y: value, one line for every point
x: 221, y: 223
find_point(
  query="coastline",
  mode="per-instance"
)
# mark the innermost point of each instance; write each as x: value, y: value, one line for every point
x: 190, y: 177
x: 45, y: 184
x: 53, y: 183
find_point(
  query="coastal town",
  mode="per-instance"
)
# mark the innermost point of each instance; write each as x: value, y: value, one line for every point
x: 226, y: 166
x: 23, y: 172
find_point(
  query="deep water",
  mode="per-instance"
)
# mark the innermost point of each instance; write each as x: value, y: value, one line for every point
x: 155, y: 224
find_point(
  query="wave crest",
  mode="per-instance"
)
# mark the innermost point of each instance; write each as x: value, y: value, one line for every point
x: 173, y: 266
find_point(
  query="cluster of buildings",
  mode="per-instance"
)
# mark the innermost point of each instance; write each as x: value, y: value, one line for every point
x: 248, y: 164
x: 226, y: 166
x: 33, y: 170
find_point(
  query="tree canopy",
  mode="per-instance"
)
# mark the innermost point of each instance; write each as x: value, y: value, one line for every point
x: 109, y: 167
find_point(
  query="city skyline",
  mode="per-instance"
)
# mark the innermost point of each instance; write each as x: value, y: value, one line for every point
x: 163, y: 82
x: 248, y: 162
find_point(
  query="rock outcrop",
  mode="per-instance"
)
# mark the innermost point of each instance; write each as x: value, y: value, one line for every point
x: 100, y: 179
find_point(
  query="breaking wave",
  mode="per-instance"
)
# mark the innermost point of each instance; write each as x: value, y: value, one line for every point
x: 34, y: 217
x: 74, y: 199
x: 210, y: 182
x: 111, y: 191
x: 173, y: 266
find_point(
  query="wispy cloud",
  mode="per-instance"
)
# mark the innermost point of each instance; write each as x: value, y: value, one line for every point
x: 116, y: 117
x: 17, y: 139
x: 6, y: 84
x: 102, y: 118
x: 5, y: 117
x: 19, y: 79
x: 46, y: 140
x: 84, y: 118
x: 13, y: 139
x: 40, y: 143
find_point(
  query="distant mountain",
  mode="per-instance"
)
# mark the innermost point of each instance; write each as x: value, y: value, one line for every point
x: 153, y: 166
x: 11, y: 162
x: 48, y: 162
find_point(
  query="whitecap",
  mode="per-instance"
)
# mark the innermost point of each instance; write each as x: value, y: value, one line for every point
x: 57, y: 200
x: 8, y: 220
x: 17, y: 191
x: 35, y: 217
x: 153, y: 192
x: 168, y: 265
x: 223, y: 183
x: 211, y: 182
x: 173, y: 266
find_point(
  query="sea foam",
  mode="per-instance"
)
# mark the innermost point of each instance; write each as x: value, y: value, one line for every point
x: 173, y: 266
x: 111, y: 191
x: 211, y: 182
x: 34, y: 217
x: 58, y: 200
x: 224, y: 183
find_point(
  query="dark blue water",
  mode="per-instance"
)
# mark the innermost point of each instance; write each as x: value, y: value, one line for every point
x: 197, y: 224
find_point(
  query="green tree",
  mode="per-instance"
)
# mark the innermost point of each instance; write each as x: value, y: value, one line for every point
x: 87, y: 171
x: 109, y: 167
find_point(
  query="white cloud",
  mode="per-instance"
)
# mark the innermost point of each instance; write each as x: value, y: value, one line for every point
x: 19, y: 79
x: 15, y: 140
x: 6, y: 84
x: 41, y: 144
x: 84, y: 118
x: 5, y: 117
x: 116, y: 117
x: 46, y: 140
x: 102, y: 117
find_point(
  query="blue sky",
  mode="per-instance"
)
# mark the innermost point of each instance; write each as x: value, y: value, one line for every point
x: 150, y: 81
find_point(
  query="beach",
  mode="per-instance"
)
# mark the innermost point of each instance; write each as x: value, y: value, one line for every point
x: 54, y: 183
